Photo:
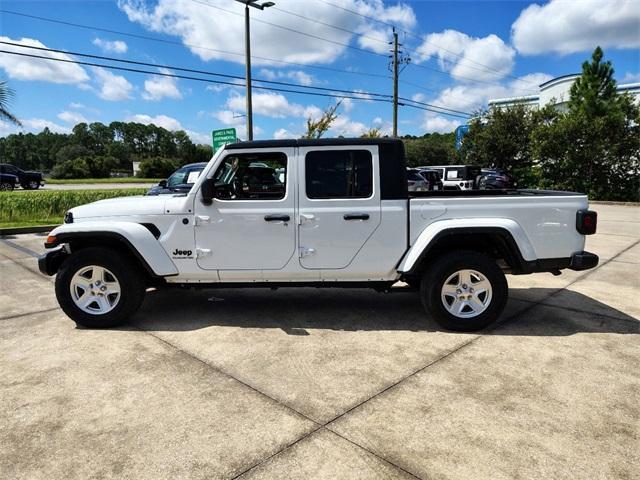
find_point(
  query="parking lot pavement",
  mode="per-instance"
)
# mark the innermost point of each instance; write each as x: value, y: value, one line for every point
x: 327, y: 383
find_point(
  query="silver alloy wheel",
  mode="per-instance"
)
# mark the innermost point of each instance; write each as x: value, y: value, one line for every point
x: 466, y: 293
x: 6, y: 187
x: 33, y: 184
x: 95, y: 290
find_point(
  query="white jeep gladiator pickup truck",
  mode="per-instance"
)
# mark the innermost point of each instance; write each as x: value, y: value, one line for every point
x: 320, y: 213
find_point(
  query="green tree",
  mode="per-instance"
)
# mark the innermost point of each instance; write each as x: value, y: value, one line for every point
x: 500, y: 138
x: 6, y: 95
x: 593, y: 147
x: 430, y: 149
x: 156, y: 167
x: 317, y: 128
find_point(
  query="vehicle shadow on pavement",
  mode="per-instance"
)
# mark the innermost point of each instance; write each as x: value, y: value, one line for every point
x: 296, y: 310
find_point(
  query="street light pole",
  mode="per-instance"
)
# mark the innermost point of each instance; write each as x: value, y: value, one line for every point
x: 247, y: 50
x: 247, y: 53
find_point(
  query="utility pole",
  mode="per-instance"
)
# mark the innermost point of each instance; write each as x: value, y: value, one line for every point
x: 247, y: 52
x: 397, y: 60
x: 395, y: 83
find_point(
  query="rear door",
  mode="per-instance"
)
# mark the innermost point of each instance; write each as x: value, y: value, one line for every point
x: 339, y: 203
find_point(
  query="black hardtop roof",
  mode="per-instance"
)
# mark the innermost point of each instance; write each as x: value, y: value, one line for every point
x: 304, y: 142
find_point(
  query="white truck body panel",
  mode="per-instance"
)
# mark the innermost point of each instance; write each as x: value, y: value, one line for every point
x: 230, y: 241
x: 137, y: 235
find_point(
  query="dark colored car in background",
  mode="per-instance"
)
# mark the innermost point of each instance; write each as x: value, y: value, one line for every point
x: 433, y: 179
x: 28, y: 180
x: 180, y: 181
x: 495, y: 179
x: 416, y: 182
x: 7, y: 182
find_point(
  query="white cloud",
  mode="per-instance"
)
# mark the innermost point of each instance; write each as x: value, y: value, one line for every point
x: 197, y: 24
x: 346, y: 127
x: 567, y: 27
x: 487, y: 58
x: 158, y: 87
x: 631, y: 77
x: 115, y: 46
x: 112, y: 87
x: 76, y: 105
x: 72, y: 117
x: 34, y: 125
x: 297, y: 76
x: 163, y: 121
x: 199, y: 138
x: 437, y: 123
x: 231, y: 119
x: 283, y: 133
x: 468, y: 98
x: 25, y: 68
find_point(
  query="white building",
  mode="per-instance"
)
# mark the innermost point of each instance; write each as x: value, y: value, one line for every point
x: 558, y: 91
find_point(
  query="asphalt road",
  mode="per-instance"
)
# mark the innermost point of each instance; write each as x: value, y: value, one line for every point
x: 327, y: 383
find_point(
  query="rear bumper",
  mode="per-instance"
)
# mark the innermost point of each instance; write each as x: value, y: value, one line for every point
x: 577, y: 261
x: 583, y: 261
x: 50, y: 261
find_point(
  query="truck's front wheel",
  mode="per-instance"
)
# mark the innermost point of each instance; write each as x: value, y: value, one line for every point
x: 464, y: 291
x: 98, y: 288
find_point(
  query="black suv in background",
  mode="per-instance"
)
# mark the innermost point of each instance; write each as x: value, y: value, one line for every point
x: 180, y: 181
x: 495, y: 179
x: 7, y: 182
x: 27, y: 179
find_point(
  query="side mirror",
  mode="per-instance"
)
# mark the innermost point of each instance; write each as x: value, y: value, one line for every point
x: 162, y: 183
x: 208, y: 190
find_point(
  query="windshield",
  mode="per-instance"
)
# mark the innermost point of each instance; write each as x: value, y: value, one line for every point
x: 184, y: 176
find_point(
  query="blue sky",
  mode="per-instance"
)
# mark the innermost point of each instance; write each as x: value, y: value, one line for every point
x: 462, y: 53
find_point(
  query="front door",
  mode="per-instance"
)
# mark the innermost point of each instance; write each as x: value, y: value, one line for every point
x: 339, y: 204
x: 251, y: 225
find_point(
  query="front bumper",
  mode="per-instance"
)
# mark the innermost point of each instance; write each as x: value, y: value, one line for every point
x: 50, y: 261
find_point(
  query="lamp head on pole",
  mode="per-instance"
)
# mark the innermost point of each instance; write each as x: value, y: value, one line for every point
x: 256, y: 4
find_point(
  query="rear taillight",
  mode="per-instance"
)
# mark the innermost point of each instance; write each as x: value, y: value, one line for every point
x: 586, y: 222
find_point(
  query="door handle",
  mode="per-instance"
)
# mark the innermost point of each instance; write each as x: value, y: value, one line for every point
x: 276, y: 218
x: 356, y: 216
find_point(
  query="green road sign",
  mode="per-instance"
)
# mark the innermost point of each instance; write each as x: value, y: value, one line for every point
x: 222, y: 137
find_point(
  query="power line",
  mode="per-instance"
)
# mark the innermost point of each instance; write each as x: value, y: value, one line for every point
x: 221, y: 82
x: 363, y: 95
x: 293, y: 30
x: 191, y: 70
x: 181, y: 44
x: 406, y: 32
x: 319, y: 22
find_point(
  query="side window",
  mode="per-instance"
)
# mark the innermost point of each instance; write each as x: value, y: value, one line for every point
x: 339, y: 174
x: 252, y: 176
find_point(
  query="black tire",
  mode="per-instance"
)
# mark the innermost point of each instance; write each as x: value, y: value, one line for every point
x: 132, y: 287
x: 32, y: 185
x: 447, y: 265
x: 6, y: 187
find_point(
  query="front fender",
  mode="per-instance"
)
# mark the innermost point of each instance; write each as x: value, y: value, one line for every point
x: 433, y: 230
x: 135, y: 236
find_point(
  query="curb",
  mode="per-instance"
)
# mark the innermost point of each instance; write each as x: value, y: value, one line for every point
x: 23, y: 230
x: 606, y: 202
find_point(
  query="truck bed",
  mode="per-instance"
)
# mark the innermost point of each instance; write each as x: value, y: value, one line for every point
x: 546, y: 218
x: 491, y: 193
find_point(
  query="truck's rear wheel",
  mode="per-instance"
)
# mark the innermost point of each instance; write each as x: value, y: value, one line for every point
x: 98, y: 288
x: 464, y: 291
x: 6, y: 187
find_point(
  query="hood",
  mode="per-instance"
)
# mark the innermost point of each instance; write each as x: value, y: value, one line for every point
x: 31, y: 172
x: 121, y: 206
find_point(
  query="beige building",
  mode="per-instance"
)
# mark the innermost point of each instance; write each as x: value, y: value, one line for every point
x: 557, y: 91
